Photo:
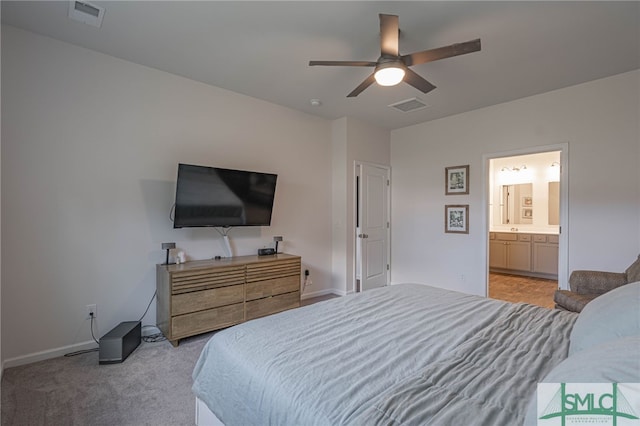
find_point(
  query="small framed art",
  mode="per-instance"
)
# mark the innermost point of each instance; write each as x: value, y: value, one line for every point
x: 456, y: 219
x: 456, y: 180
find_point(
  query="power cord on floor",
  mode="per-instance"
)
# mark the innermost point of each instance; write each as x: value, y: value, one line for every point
x: 156, y: 337
x: 85, y: 351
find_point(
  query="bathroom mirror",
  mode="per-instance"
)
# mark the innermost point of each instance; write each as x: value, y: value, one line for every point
x: 517, y: 204
x: 554, y: 203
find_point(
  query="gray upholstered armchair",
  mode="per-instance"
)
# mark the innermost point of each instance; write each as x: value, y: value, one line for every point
x: 587, y: 285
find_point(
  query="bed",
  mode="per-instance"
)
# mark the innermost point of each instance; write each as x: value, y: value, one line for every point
x: 405, y: 354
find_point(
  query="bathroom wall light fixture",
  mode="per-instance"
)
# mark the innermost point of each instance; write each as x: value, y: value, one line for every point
x: 513, y: 169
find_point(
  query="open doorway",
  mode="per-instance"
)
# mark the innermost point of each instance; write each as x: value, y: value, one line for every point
x: 526, y: 213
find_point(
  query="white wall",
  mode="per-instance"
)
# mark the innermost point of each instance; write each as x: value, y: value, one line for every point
x: 353, y: 140
x: 339, y: 177
x: 90, y: 150
x: 599, y: 120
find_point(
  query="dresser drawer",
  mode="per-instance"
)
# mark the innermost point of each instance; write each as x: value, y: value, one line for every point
x: 202, y: 279
x: 524, y: 237
x: 554, y: 239
x: 539, y: 238
x: 273, y: 287
x: 275, y: 269
x: 206, y: 299
x: 271, y: 305
x: 211, y: 319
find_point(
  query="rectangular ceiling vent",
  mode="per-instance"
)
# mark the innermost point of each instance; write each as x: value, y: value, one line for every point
x: 86, y: 13
x: 408, y: 105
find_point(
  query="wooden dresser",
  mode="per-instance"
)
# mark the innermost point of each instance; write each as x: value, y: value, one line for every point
x: 205, y: 295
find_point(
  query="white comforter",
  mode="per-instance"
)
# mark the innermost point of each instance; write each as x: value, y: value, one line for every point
x: 405, y: 354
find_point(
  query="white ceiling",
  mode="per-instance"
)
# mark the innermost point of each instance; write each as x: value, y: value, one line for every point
x: 262, y: 48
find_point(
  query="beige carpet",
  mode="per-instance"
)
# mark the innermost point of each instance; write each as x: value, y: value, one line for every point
x: 151, y: 387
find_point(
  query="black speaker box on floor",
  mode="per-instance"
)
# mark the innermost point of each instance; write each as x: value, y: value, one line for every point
x: 117, y: 345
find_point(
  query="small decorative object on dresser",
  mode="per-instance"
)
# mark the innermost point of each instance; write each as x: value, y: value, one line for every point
x: 277, y: 239
x: 200, y: 296
x: 168, y: 247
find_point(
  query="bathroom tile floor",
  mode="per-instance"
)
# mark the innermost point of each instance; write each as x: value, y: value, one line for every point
x: 512, y: 288
x: 515, y: 288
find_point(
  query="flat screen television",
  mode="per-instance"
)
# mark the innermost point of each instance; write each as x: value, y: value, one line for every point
x: 211, y: 196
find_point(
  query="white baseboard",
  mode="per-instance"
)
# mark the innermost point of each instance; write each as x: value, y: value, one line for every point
x: 309, y: 295
x: 48, y: 354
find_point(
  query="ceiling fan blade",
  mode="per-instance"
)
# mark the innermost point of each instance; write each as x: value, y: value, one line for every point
x: 368, y: 82
x: 410, y: 77
x: 389, y: 32
x: 343, y: 63
x: 441, y: 52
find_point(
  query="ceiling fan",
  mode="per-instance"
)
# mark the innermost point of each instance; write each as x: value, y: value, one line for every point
x: 391, y: 68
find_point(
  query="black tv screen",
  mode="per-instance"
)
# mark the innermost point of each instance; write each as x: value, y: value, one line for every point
x: 210, y: 196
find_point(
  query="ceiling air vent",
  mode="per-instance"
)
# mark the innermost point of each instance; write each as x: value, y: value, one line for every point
x: 86, y: 13
x: 409, y: 105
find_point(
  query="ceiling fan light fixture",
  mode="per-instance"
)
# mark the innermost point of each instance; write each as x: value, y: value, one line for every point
x: 391, y: 68
x: 389, y: 74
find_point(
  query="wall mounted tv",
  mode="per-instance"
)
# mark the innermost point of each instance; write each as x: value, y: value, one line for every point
x: 210, y: 196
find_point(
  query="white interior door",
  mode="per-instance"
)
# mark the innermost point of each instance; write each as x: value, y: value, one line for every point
x: 372, y: 232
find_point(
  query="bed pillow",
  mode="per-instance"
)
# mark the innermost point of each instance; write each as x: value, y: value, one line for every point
x: 609, y: 316
x: 615, y: 361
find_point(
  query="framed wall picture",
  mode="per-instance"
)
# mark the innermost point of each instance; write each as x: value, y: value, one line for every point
x: 456, y: 219
x: 456, y: 180
x: 527, y: 201
x: 527, y: 213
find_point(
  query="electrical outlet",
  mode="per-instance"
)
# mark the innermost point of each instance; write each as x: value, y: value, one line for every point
x: 92, y: 311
